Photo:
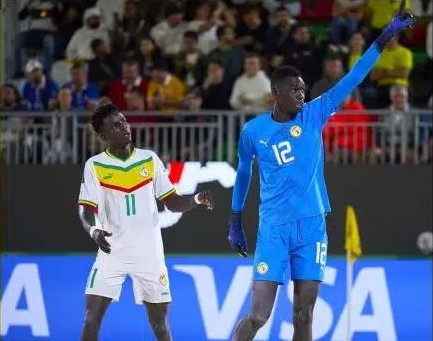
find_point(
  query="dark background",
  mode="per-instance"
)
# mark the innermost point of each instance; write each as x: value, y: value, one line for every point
x: 393, y: 206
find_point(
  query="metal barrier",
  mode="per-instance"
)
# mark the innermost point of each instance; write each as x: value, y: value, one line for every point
x: 376, y: 137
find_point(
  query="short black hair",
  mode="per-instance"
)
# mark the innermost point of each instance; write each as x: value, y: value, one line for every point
x: 282, y: 73
x: 102, y: 111
x: 191, y: 34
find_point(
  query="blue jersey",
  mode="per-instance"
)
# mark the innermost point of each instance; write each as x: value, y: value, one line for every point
x: 290, y: 154
x: 39, y: 98
x: 82, y: 98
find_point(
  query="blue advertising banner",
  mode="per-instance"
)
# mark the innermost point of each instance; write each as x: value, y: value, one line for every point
x: 42, y: 299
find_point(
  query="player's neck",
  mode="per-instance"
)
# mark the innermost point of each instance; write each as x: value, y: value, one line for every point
x: 122, y: 153
x: 279, y: 115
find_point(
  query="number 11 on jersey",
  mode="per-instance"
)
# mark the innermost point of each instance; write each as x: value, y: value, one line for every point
x: 130, y: 204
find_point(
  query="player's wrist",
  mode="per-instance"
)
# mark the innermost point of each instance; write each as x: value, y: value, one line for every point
x: 91, y: 231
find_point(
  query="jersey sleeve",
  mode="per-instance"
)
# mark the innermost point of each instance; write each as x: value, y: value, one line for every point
x: 246, y: 150
x: 162, y: 184
x: 89, y: 191
x: 324, y: 107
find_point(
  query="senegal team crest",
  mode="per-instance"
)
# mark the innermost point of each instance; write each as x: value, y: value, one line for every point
x: 295, y: 131
x: 163, y: 280
x: 144, y: 172
x: 262, y: 268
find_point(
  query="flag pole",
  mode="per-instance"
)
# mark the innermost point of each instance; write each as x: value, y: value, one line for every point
x: 349, y: 277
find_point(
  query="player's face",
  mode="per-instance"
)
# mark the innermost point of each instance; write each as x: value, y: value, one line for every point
x: 291, y: 94
x: 116, y: 131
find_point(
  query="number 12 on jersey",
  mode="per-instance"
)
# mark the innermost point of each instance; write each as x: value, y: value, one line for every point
x: 282, y: 151
x: 130, y: 204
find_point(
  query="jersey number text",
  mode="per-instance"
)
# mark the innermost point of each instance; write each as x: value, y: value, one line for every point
x: 282, y: 151
x: 130, y: 204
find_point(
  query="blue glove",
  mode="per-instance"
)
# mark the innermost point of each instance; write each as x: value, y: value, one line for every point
x: 400, y: 21
x: 237, y: 235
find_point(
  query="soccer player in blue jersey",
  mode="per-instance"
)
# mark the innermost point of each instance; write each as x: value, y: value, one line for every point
x: 287, y: 143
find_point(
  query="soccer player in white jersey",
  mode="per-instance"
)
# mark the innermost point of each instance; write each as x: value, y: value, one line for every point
x: 117, y: 207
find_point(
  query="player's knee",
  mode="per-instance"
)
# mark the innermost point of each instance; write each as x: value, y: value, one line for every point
x: 259, y: 319
x: 303, y: 315
x: 159, y: 326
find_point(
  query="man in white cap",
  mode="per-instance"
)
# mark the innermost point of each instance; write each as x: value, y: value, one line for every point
x: 39, y: 91
x: 80, y: 45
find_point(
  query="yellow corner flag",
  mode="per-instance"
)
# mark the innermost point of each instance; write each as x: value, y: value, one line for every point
x: 353, y: 240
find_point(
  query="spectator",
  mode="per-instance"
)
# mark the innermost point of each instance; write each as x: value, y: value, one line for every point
x: 80, y: 45
x: 205, y: 24
x: 64, y: 99
x: 104, y: 68
x: 348, y: 135
x: 278, y: 34
x: 129, y: 31
x: 398, y: 124
x: 149, y: 54
x: 333, y: 71
x: 39, y: 91
x: 346, y: 18
x: 84, y: 95
x: 110, y: 11
x: 293, y: 6
x: 382, y: 12
x: 135, y: 100
x: 168, y: 33
x: 165, y: 91
x: 302, y: 54
x: 130, y: 78
x: 189, y: 60
x: 39, y: 34
x: 252, y: 90
x: 11, y: 99
x: 251, y: 33
x: 393, y: 68
x: 229, y: 56
x: 216, y: 89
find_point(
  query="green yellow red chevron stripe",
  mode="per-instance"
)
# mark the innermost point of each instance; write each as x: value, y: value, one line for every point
x: 167, y: 194
x: 125, y: 179
x: 87, y: 203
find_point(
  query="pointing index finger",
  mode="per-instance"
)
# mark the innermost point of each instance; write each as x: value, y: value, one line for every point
x: 401, y: 8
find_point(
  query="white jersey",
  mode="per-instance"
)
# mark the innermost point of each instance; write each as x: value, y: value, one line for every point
x: 123, y: 193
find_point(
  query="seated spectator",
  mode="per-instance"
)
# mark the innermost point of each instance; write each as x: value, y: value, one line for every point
x: 278, y: 34
x: 216, y: 89
x: 39, y: 33
x: 398, y: 125
x: 168, y: 33
x: 346, y: 18
x: 348, y: 136
x: 84, y: 94
x: 64, y: 99
x: 40, y: 91
x: 166, y: 91
x: 80, y: 45
x: 252, y: 90
x: 302, y: 53
x: 128, y: 32
x: 11, y: 99
x: 135, y: 100
x: 104, y: 68
x: 251, y: 32
x: 393, y: 68
x: 229, y: 56
x: 149, y: 54
x: 205, y: 23
x: 189, y: 60
x: 130, y: 78
x: 332, y: 72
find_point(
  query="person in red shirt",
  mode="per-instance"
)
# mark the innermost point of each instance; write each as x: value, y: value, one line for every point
x: 349, y: 134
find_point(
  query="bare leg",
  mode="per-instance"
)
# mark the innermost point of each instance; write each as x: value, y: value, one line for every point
x: 305, y: 295
x: 263, y: 301
x: 157, y: 313
x: 95, y: 310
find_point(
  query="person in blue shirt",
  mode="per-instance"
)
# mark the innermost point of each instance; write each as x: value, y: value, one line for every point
x: 85, y: 95
x: 287, y: 144
x: 40, y: 91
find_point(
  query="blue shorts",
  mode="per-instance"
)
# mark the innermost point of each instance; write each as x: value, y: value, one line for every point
x: 302, y: 244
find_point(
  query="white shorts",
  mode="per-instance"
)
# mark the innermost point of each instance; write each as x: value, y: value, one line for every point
x: 151, y: 287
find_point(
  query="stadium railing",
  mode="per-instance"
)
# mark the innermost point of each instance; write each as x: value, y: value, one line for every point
x: 369, y: 137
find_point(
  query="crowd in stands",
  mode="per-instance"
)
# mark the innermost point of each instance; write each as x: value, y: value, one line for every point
x: 212, y: 54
